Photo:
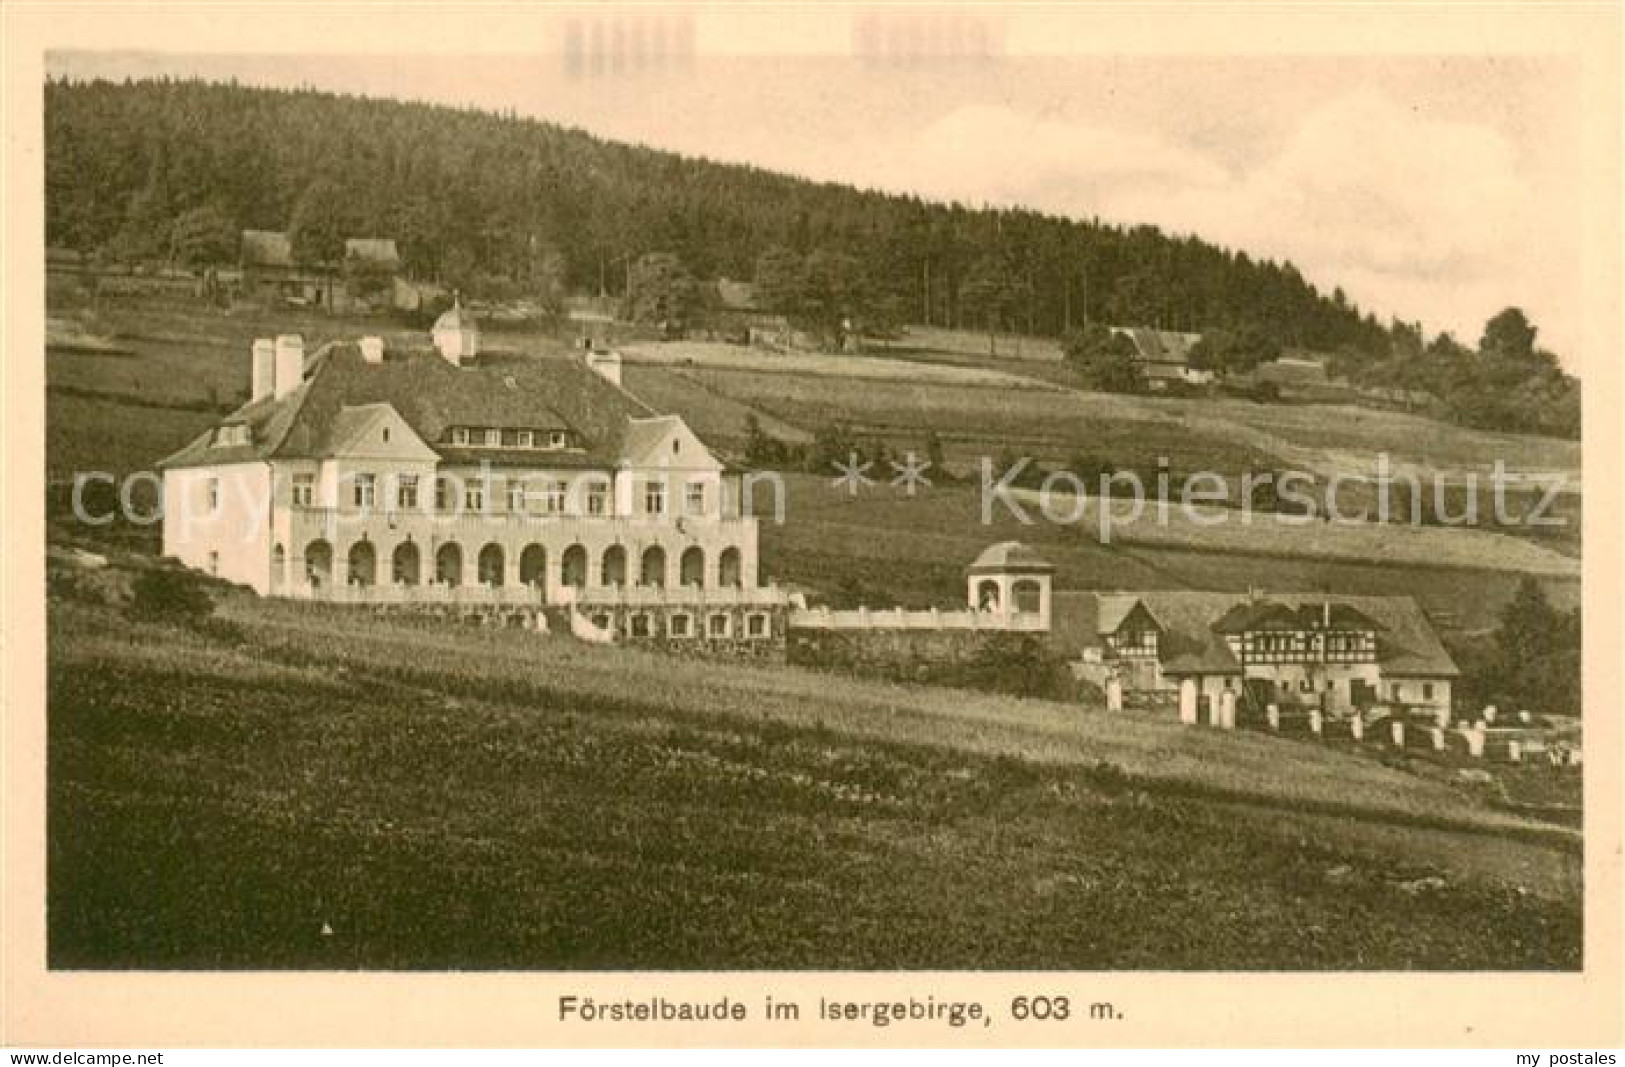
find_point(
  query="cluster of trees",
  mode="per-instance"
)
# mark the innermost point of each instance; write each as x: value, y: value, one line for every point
x: 468, y: 193
x: 1234, y: 350
x: 1104, y: 361
x: 1532, y: 660
x: 836, y: 445
x: 1507, y: 383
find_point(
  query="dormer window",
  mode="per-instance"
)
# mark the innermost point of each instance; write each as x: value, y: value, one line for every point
x: 232, y: 434
x: 556, y: 439
x: 459, y: 436
x: 493, y: 438
x: 525, y: 439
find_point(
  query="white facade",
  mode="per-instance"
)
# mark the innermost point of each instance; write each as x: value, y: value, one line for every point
x: 377, y: 514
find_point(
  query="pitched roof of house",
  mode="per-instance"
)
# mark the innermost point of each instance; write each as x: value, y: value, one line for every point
x: 643, y: 434
x: 267, y: 248
x: 352, y: 423
x: 433, y: 397
x: 379, y: 251
x: 1159, y: 346
x: 1195, y: 624
x: 1326, y: 614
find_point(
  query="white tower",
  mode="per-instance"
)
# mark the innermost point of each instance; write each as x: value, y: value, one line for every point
x: 1011, y: 582
x: 456, y: 334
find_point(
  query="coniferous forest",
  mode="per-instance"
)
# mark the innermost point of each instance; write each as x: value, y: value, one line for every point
x: 175, y: 169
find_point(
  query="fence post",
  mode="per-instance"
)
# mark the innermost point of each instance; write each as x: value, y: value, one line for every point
x: 1397, y: 730
x: 1273, y: 714
x: 1187, y: 702
x: 1357, y: 727
x: 1317, y: 722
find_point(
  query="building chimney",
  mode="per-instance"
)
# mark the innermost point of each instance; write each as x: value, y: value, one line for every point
x: 264, y: 362
x: 290, y: 363
x: 372, y: 349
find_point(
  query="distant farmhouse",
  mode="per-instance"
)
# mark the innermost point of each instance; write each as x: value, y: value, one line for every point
x: 365, y: 281
x: 1337, y: 654
x: 371, y: 268
x: 740, y: 318
x: 1163, y: 357
x: 270, y: 273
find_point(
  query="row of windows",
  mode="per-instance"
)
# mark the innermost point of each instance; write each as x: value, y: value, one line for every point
x: 1142, y: 643
x: 545, y: 496
x: 682, y: 625
x: 407, y: 562
x: 494, y: 437
x: 234, y: 434
x: 1303, y: 642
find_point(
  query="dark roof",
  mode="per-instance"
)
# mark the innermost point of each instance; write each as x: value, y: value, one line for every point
x: 1193, y: 641
x: 433, y: 396
x: 1326, y: 614
x: 266, y: 248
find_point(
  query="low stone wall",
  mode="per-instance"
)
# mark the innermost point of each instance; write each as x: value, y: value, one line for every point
x: 653, y: 627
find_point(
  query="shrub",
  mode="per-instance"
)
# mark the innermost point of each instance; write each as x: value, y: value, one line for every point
x: 169, y: 596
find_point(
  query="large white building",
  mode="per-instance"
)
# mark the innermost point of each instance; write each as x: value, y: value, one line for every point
x: 440, y: 476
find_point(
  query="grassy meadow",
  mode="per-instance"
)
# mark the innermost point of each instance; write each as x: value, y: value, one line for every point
x: 253, y: 793
x: 299, y: 786
x: 915, y: 549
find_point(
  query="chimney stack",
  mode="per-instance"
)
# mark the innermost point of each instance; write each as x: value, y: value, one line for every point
x: 372, y: 349
x: 290, y: 363
x: 264, y: 362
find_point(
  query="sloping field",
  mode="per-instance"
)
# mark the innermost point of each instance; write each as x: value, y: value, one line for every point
x: 718, y: 419
x: 974, y: 344
x: 1212, y: 529
x: 1346, y: 430
x: 84, y: 434
x: 823, y: 364
x: 427, y: 797
x: 976, y: 422
x: 915, y: 549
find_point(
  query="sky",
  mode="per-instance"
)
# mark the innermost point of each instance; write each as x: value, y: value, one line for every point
x: 1432, y: 188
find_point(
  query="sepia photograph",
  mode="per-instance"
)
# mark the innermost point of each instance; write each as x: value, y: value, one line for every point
x: 615, y: 498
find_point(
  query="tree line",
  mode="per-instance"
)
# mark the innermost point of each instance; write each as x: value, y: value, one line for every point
x: 495, y: 203
x: 465, y: 192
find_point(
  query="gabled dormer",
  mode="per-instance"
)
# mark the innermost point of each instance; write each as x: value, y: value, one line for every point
x: 665, y: 442
x: 1138, y: 635
x: 376, y: 432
